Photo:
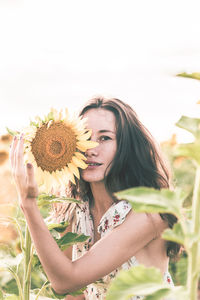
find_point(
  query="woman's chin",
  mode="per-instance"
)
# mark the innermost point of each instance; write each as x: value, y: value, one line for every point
x: 89, y: 178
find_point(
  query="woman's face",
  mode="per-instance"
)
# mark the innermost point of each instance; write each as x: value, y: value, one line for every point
x: 102, y: 123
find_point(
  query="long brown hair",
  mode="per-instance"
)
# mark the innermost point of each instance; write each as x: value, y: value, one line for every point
x: 137, y: 162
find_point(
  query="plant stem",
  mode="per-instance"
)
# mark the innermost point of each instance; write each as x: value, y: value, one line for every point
x: 192, y: 278
x: 44, y: 286
x: 17, y: 281
x: 27, y: 273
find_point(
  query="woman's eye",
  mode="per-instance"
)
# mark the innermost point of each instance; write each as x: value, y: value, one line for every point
x: 104, y: 138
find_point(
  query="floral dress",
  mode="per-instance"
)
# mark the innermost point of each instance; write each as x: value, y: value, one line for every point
x: 82, y: 223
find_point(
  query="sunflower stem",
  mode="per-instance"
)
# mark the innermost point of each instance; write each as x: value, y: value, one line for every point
x: 27, y: 266
x: 193, y: 274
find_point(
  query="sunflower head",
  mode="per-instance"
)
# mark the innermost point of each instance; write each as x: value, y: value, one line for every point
x: 54, y: 145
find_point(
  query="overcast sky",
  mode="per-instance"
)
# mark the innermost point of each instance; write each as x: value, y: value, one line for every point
x: 63, y: 52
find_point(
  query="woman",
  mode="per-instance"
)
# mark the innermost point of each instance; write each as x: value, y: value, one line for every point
x: 125, y: 157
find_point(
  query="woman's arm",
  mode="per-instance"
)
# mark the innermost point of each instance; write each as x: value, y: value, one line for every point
x: 106, y: 255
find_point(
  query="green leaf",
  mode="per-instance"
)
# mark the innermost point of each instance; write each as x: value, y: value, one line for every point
x: 74, y: 294
x: 190, y: 124
x: 194, y: 75
x: 144, y: 199
x: 137, y: 281
x: 58, y: 227
x: 11, y: 287
x: 1, y: 295
x: 66, y: 241
x: 189, y: 150
x: 71, y: 238
x: 77, y: 293
x: 35, y: 261
x: 45, y: 199
x: 175, y: 235
x: 177, y: 293
x: 12, y: 132
x: 32, y: 123
x: 158, y: 295
x: 58, y: 296
x: 49, y: 116
x: 181, y: 269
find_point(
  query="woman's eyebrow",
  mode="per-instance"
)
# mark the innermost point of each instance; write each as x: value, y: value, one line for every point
x: 106, y: 130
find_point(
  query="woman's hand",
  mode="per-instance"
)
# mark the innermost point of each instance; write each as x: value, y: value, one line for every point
x: 26, y: 185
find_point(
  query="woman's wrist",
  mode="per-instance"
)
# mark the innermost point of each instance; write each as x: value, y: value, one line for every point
x: 28, y: 205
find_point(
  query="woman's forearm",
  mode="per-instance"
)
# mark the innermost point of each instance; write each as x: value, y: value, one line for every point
x: 57, y: 266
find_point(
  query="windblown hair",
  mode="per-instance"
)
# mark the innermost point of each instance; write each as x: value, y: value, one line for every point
x: 137, y: 162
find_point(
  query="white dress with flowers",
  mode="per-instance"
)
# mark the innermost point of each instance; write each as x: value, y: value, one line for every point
x: 82, y: 223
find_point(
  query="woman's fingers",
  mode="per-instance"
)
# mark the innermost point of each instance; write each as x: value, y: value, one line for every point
x: 18, y: 166
x: 24, y: 178
x: 12, y: 151
x: 19, y: 157
x: 32, y: 189
x: 20, y: 175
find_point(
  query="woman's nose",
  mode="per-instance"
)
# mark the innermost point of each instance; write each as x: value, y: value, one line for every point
x: 91, y: 152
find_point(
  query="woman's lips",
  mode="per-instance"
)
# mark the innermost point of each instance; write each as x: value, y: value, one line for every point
x: 92, y: 165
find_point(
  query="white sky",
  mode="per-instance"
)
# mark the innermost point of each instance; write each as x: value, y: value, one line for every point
x: 62, y: 52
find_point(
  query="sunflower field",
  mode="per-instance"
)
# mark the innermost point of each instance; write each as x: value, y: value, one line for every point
x: 21, y: 274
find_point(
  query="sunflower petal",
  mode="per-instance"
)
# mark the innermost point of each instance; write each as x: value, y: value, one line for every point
x: 69, y: 175
x: 74, y: 170
x: 91, y: 144
x: 28, y: 157
x: 55, y: 114
x: 49, y: 123
x: 84, y: 145
x: 80, y: 156
x: 85, y: 136
x: 39, y: 175
x: 48, y: 181
x: 66, y: 114
x: 79, y: 163
x: 71, y: 178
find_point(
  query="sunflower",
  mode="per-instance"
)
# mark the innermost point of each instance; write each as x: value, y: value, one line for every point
x: 54, y: 146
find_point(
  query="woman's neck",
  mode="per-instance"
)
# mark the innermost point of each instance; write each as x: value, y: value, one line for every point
x: 101, y: 199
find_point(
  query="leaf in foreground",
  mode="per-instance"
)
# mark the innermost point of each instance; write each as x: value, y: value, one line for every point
x: 74, y: 294
x: 194, y: 75
x: 12, y: 132
x: 45, y: 199
x: 175, y: 235
x: 176, y: 293
x: 66, y: 241
x: 1, y: 295
x: 189, y: 124
x: 71, y: 238
x: 58, y: 227
x: 138, y: 281
x: 144, y: 199
x: 190, y: 150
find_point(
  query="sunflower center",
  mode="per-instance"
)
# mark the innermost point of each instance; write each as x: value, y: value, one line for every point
x: 53, y: 147
x: 56, y: 147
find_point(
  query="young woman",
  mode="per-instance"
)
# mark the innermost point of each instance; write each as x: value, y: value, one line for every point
x: 126, y: 156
